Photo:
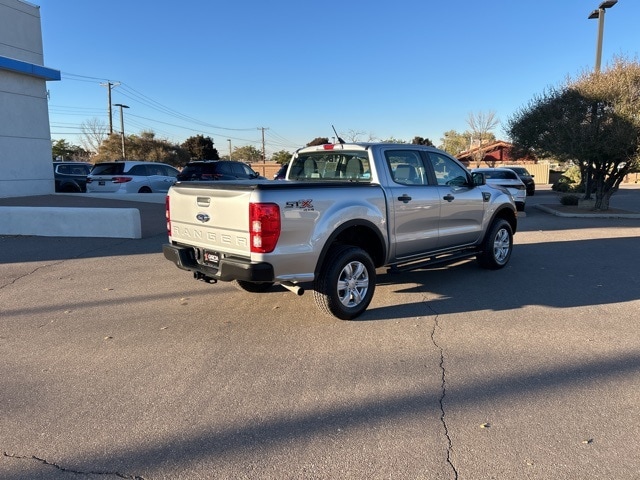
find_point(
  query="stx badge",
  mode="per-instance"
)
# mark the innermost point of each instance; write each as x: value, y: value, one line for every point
x: 305, y: 205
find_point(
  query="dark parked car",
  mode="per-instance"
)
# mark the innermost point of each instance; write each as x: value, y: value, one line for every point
x: 526, y: 178
x: 281, y: 174
x: 71, y: 177
x: 217, y: 170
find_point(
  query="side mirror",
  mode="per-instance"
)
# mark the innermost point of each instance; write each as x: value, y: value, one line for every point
x: 478, y: 179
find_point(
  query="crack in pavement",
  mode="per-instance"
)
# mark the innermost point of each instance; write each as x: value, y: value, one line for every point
x: 68, y: 470
x: 20, y: 277
x: 436, y: 326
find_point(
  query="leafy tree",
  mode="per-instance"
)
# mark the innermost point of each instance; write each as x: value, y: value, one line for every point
x: 62, y: 150
x: 281, y: 157
x: 318, y: 141
x: 421, y: 141
x: 393, y: 140
x: 200, y: 147
x: 592, y: 121
x: 142, y: 147
x: 454, y: 142
x: 248, y: 153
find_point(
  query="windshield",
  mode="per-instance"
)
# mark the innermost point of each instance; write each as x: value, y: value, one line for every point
x: 331, y: 166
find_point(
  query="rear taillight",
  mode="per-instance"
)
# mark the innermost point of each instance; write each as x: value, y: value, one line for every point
x: 167, y: 214
x: 121, y: 179
x: 89, y: 179
x: 264, y: 226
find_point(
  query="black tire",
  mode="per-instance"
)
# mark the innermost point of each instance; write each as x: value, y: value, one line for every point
x: 497, y: 246
x: 252, y: 287
x: 144, y: 190
x: 346, y: 282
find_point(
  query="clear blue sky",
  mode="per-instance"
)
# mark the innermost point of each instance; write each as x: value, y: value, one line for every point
x: 389, y: 69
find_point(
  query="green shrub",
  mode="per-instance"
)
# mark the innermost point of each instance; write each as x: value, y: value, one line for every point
x: 569, y: 181
x: 569, y: 199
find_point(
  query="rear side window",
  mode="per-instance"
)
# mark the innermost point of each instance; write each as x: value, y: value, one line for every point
x: 224, y: 168
x: 242, y: 170
x: 406, y: 167
x: 157, y: 169
x: 108, y: 169
x: 67, y: 169
x: 139, y: 170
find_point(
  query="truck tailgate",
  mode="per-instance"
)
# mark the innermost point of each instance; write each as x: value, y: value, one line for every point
x: 211, y: 217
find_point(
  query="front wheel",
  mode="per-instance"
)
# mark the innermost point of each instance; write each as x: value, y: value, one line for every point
x: 346, y: 282
x: 497, y: 246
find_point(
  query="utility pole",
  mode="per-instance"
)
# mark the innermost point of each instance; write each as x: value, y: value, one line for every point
x: 264, y: 157
x: 229, y: 140
x: 122, y: 126
x: 109, y: 86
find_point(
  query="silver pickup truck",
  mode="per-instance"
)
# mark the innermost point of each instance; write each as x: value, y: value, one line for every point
x: 345, y: 210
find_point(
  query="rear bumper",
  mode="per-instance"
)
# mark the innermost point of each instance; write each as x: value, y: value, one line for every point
x: 228, y: 269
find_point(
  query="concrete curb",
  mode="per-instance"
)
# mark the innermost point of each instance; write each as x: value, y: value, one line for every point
x: 557, y: 213
x: 71, y: 222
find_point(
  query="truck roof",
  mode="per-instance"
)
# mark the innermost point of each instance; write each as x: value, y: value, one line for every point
x: 361, y: 146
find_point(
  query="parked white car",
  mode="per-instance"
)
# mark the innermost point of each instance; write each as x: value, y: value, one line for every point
x: 131, y: 177
x: 507, y: 178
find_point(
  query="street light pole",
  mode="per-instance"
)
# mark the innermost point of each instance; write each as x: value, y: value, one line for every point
x: 599, y: 14
x: 122, y: 126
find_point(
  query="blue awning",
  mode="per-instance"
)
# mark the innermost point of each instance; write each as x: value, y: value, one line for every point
x: 26, y: 68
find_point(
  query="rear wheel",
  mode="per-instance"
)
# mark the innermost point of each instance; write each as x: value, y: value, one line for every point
x: 497, y: 246
x: 346, y: 282
x: 252, y: 287
x: 70, y: 188
x: 144, y: 190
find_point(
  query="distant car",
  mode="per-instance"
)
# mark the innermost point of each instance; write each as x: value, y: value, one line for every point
x: 217, y: 170
x: 131, y: 177
x: 506, y: 178
x: 281, y: 174
x: 71, y: 177
x: 526, y: 178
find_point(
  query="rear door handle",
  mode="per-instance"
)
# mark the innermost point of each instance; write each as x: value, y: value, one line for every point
x: 448, y: 197
x: 404, y: 198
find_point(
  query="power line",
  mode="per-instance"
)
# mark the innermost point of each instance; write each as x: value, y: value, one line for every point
x: 270, y: 140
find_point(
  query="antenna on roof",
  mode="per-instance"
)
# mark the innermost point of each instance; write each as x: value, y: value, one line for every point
x: 340, y: 141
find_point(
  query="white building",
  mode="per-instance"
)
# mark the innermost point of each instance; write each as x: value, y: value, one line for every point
x: 25, y: 138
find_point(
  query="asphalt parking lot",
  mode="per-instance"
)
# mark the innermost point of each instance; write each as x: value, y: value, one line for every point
x: 115, y: 364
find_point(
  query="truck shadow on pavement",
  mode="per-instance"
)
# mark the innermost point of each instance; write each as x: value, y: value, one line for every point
x: 553, y: 274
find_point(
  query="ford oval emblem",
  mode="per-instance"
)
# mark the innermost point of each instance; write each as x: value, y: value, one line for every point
x: 203, y: 217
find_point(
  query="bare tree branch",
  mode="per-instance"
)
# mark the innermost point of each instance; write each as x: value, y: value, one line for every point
x: 94, y: 132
